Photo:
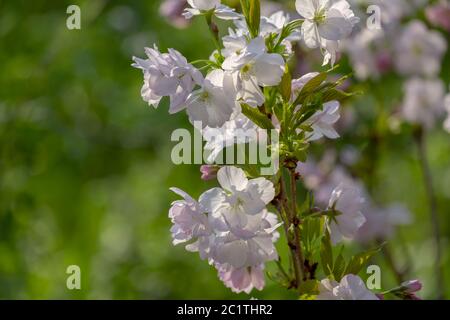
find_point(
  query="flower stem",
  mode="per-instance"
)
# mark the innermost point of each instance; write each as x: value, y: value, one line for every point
x: 292, y: 239
x: 295, y: 220
x: 399, y: 274
x: 214, y: 31
x: 420, y: 139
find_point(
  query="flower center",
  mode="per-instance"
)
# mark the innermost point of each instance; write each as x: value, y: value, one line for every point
x: 320, y: 16
x: 204, y: 96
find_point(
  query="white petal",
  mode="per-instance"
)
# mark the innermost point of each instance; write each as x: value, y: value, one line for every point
x: 335, y: 27
x: 268, y: 69
x: 212, y: 200
x: 310, y: 34
x: 305, y: 8
x: 232, y: 178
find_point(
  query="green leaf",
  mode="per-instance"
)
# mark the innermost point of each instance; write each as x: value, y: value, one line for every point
x: 309, y: 288
x: 326, y: 254
x: 310, y: 87
x: 339, y: 267
x: 335, y: 94
x: 252, y: 13
x: 259, y: 118
x: 358, y: 261
x: 312, y: 230
x: 286, y: 85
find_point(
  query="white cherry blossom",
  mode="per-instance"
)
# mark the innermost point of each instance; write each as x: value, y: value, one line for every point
x: 199, y: 7
x: 322, y: 121
x: 326, y: 23
x: 213, y: 104
x: 419, y: 51
x: 250, y: 244
x: 239, y: 198
x: 254, y: 67
x: 239, y: 129
x: 423, y: 101
x: 167, y: 74
x: 381, y: 222
x: 370, y: 54
x: 242, y: 279
x: 351, y: 287
x: 189, y: 224
x: 347, y: 200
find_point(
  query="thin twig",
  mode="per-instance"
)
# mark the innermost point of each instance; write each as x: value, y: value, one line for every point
x: 295, y: 220
x: 420, y: 139
x: 399, y: 274
x: 297, y: 264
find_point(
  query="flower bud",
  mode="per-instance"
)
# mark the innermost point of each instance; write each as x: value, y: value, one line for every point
x: 208, y: 172
x: 412, y: 286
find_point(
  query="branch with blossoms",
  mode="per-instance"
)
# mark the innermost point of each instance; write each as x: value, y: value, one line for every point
x: 245, y: 84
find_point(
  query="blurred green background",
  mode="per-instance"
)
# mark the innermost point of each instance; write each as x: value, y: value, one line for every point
x: 85, y: 164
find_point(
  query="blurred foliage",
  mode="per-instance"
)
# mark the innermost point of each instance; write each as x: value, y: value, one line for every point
x: 85, y: 164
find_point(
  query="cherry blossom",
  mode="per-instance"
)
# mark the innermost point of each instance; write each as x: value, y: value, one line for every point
x: 423, y: 101
x: 238, y: 198
x: 439, y: 14
x: 326, y: 23
x: 167, y: 74
x: 347, y: 200
x: 188, y: 219
x: 239, y: 129
x: 209, y: 172
x: 254, y: 67
x: 199, y: 7
x: 382, y: 222
x: 369, y: 53
x: 351, y: 287
x: 212, y: 104
x: 242, y: 279
x: 419, y: 51
x: 172, y: 10
x: 322, y: 121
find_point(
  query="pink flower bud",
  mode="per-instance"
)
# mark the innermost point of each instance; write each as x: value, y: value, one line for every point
x: 384, y: 62
x: 208, y: 172
x: 380, y: 296
x: 412, y: 286
x: 172, y: 10
x: 439, y: 15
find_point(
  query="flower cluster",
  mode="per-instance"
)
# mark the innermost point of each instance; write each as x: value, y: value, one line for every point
x: 230, y: 227
x: 247, y: 83
x: 412, y: 50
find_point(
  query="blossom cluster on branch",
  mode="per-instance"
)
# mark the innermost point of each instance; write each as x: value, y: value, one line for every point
x: 247, y: 83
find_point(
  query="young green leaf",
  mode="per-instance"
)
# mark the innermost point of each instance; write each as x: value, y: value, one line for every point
x: 326, y: 254
x: 285, y: 85
x: 339, y: 267
x: 252, y: 13
x: 259, y: 118
x: 358, y: 261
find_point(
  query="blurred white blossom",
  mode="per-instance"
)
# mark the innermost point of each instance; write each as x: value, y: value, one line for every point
x: 423, y: 101
x: 351, y: 287
x: 419, y: 51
